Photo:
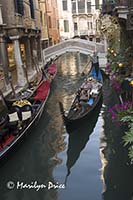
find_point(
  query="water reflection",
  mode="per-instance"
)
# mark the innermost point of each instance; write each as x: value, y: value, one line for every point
x: 117, y: 172
x: 72, y: 64
x: 40, y: 153
x: 69, y: 76
x: 47, y: 152
x: 79, y: 138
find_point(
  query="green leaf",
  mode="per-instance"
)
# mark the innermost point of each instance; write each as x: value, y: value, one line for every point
x: 131, y: 153
x: 128, y: 137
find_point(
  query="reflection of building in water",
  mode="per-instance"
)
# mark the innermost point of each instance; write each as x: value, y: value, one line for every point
x: 104, y: 161
x: 68, y: 64
x: 72, y: 63
x: 104, y: 164
x: 55, y: 128
x: 58, y: 144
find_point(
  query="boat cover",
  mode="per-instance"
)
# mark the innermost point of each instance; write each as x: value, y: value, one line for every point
x: 42, y: 91
x: 52, y: 69
x: 93, y: 74
x: 90, y: 101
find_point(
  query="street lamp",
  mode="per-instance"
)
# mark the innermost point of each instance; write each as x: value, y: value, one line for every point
x: 131, y: 83
x: 120, y: 65
x: 112, y: 51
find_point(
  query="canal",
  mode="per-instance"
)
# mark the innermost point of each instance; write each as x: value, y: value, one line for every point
x: 90, y: 165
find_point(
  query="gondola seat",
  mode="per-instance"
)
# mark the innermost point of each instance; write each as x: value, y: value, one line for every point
x: 26, y: 112
x: 94, y: 91
x: 14, y: 118
x: 13, y: 121
x: 26, y: 115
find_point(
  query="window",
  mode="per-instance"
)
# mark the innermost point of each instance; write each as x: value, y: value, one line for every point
x: 11, y: 55
x: 75, y: 26
x: 19, y: 7
x: 74, y: 7
x: 66, y: 26
x: 88, y: 24
x: 64, y: 3
x: 89, y: 7
x: 91, y: 25
x: 32, y: 9
x: 130, y: 3
x: 58, y: 24
x: 97, y: 39
x: 49, y: 22
x: 22, y: 50
x: 41, y: 17
x: 81, y: 6
x: 97, y: 4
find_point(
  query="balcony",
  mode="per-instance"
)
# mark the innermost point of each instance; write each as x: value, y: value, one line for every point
x: 83, y: 32
x: 24, y: 22
x: 18, y: 20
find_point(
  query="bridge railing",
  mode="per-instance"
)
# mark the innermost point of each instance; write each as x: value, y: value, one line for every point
x: 83, y: 46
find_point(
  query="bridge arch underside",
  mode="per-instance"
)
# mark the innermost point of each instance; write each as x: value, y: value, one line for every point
x: 79, y: 46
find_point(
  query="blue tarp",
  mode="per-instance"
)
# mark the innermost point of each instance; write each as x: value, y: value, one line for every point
x: 90, y: 101
x: 93, y: 73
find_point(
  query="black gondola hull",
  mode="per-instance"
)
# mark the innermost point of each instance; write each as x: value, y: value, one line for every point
x: 37, y: 103
x: 23, y: 133
x: 72, y: 124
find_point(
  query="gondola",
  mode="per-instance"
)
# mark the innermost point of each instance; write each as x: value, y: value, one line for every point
x: 49, y: 72
x: 21, y: 116
x: 28, y: 92
x: 82, y: 108
x: 78, y: 139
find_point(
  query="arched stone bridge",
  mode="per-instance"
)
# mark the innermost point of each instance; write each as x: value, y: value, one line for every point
x: 74, y: 45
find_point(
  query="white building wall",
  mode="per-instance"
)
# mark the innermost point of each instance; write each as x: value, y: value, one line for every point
x: 82, y: 20
x: 65, y: 15
x: 1, y: 19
